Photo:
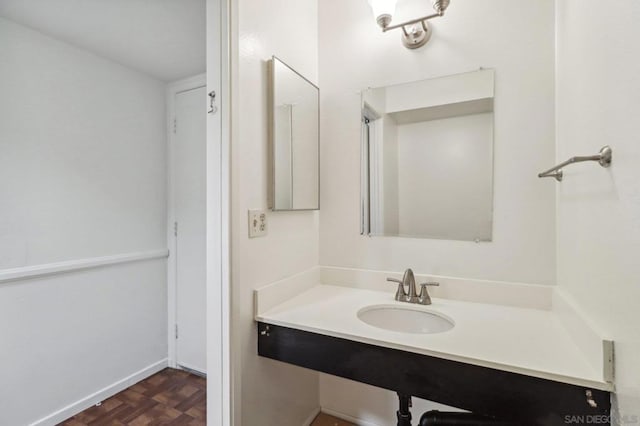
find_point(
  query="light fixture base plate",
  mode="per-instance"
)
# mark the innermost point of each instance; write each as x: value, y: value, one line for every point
x: 606, y: 156
x: 416, y: 36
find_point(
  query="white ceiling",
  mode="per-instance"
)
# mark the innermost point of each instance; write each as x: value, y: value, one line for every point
x: 162, y: 38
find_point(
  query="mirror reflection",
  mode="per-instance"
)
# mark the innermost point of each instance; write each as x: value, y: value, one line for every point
x: 427, y: 158
x: 295, y: 140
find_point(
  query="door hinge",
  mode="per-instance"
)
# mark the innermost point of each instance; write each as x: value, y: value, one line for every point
x: 175, y: 125
x: 176, y: 331
x: 175, y: 229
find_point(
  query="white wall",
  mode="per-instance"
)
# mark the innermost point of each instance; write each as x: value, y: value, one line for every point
x: 82, y: 168
x: 82, y: 174
x: 65, y: 337
x: 266, y: 392
x: 354, y: 55
x: 599, y: 210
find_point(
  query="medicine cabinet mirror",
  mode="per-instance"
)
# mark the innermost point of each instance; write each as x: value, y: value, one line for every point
x: 427, y: 158
x: 294, y: 140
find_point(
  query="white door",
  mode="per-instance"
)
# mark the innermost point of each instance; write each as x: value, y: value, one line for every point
x: 190, y: 215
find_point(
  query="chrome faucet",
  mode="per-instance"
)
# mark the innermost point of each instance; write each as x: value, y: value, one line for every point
x: 412, y: 295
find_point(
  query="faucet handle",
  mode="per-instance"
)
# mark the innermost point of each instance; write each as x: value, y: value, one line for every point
x: 423, y: 297
x: 400, y: 293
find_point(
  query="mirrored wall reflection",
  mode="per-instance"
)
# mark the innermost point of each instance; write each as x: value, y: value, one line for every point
x: 295, y: 140
x: 427, y: 158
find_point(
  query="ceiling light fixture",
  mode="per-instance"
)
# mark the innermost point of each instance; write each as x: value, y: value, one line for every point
x: 416, y: 32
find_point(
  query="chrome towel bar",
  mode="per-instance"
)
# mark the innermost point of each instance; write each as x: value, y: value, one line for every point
x: 603, y: 158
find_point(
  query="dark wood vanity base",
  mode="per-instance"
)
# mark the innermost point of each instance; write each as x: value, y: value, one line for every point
x: 509, y: 396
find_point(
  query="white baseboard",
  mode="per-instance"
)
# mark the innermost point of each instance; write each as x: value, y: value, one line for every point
x: 107, y: 392
x: 191, y: 369
x: 312, y: 417
x: 348, y: 418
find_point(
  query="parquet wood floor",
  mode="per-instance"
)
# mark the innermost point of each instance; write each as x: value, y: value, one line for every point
x: 327, y: 420
x: 170, y: 397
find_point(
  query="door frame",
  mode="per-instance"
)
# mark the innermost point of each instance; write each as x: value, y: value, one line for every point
x: 219, y: 66
x: 174, y: 89
x: 218, y: 169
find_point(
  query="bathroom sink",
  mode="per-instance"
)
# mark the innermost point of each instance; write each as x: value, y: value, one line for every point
x: 405, y: 319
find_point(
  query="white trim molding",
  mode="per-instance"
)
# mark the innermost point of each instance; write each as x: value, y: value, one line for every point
x: 43, y: 270
x: 174, y: 89
x: 219, y: 364
x: 99, y: 396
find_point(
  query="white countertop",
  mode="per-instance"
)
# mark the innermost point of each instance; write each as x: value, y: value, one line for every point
x: 526, y: 341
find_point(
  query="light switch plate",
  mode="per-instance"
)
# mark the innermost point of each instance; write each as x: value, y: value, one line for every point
x: 257, y: 223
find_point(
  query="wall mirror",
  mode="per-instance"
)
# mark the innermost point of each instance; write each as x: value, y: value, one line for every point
x: 427, y: 158
x: 295, y: 140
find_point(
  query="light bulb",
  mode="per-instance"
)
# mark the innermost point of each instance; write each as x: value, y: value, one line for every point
x: 383, y: 10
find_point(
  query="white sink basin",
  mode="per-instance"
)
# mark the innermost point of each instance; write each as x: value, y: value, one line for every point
x: 405, y: 319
